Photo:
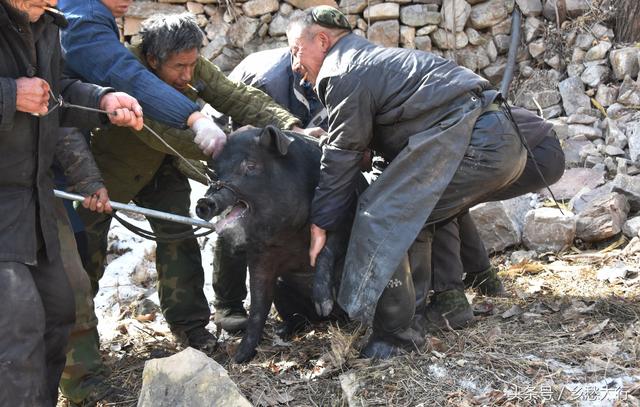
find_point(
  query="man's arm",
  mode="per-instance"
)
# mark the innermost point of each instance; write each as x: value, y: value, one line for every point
x: 351, y: 115
x: 94, y: 52
x: 7, y: 103
x: 181, y: 140
x: 81, y: 170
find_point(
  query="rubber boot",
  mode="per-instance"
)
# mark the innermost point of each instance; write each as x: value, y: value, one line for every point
x: 421, y: 272
x: 486, y: 282
x: 392, y: 331
x: 229, y: 286
x: 449, y: 310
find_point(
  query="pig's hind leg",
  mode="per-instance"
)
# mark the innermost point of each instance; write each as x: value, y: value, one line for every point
x: 293, y: 303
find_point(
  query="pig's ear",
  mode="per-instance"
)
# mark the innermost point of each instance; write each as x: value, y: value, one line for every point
x: 273, y: 137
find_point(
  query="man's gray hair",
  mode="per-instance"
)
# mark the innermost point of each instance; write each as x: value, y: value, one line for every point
x: 163, y: 35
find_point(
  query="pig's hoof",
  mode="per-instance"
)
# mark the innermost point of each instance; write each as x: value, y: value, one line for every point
x: 377, y: 348
x: 290, y: 327
x: 244, y: 355
x: 324, y: 308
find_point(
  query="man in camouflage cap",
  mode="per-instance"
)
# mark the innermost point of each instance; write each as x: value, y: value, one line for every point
x: 434, y: 122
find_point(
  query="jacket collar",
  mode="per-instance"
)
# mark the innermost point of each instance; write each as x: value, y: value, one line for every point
x: 9, y: 15
x: 340, y: 56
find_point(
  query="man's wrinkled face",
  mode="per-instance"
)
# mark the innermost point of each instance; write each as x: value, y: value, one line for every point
x: 33, y: 8
x: 178, y: 69
x: 307, y: 52
x: 117, y: 7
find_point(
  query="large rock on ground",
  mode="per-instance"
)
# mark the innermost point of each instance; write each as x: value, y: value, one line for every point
x: 628, y: 186
x: 631, y: 227
x: 189, y: 378
x: 574, y: 179
x: 602, y: 218
x: 500, y: 223
x: 547, y: 229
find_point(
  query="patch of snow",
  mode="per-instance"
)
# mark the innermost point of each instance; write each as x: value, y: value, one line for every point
x: 120, y: 284
x: 438, y: 371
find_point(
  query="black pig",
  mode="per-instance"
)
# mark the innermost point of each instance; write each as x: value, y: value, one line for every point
x: 265, y: 180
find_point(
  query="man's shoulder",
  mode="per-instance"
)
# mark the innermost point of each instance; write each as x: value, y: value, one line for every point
x: 86, y: 11
x: 263, y: 66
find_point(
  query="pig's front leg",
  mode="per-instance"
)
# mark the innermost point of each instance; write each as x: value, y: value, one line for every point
x: 323, y: 282
x: 262, y: 283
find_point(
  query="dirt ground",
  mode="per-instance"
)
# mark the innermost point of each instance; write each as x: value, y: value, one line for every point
x: 563, y: 337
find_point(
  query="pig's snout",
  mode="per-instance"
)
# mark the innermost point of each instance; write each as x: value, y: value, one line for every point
x: 214, y: 203
x: 207, y: 208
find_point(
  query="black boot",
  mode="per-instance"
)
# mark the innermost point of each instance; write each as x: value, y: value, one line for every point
x: 387, y: 345
x: 231, y: 318
x: 229, y: 286
x: 486, y: 282
x: 449, y: 310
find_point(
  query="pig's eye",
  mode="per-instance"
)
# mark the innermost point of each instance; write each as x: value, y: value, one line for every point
x: 250, y: 167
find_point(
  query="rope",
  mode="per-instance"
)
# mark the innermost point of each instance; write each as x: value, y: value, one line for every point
x: 146, y: 234
x: 62, y: 103
x: 160, y: 237
x: 507, y: 111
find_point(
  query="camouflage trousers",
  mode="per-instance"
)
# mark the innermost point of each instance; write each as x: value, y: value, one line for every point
x: 83, y: 352
x: 179, y: 263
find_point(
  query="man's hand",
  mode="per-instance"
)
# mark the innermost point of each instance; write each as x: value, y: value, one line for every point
x: 98, y: 201
x: 32, y: 95
x: 315, y: 132
x: 124, y: 110
x: 209, y: 137
x: 318, y: 240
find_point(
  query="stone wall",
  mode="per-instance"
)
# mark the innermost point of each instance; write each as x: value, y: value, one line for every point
x: 473, y: 32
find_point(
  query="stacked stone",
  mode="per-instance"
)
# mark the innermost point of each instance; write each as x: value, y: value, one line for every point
x: 475, y: 33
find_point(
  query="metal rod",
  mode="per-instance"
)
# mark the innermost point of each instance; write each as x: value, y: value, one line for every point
x: 144, y: 211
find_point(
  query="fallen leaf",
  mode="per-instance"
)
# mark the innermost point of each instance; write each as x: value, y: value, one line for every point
x: 593, y: 329
x: 146, y: 317
x: 483, y: 309
x: 511, y: 312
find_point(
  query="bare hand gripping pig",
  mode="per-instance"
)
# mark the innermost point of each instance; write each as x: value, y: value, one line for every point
x: 265, y: 183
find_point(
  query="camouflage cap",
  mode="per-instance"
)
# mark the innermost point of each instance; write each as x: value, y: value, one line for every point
x: 330, y: 17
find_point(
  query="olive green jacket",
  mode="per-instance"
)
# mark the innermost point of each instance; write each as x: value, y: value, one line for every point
x: 128, y: 159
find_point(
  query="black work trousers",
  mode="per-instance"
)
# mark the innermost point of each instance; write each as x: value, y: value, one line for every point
x: 38, y: 312
x: 494, y: 159
x: 457, y: 247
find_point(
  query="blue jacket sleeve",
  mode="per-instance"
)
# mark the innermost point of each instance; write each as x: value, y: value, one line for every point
x: 94, y: 53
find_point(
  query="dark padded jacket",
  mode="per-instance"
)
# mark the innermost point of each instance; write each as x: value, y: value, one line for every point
x: 270, y: 71
x: 28, y: 143
x: 378, y: 98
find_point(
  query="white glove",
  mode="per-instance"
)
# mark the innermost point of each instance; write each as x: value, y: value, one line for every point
x: 209, y: 137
